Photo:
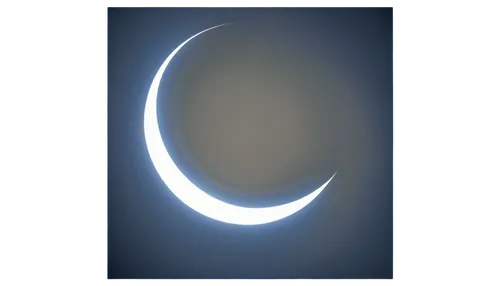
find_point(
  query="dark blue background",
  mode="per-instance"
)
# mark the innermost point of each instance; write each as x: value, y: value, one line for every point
x: 152, y: 235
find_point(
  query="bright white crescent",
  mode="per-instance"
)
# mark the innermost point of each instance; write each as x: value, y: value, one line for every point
x: 188, y: 192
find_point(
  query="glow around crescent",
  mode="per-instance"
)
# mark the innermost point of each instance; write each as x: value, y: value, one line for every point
x: 188, y: 192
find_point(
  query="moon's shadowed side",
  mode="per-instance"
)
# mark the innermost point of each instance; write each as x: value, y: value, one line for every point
x: 243, y: 110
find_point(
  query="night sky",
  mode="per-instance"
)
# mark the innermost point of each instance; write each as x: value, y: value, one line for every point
x: 257, y: 113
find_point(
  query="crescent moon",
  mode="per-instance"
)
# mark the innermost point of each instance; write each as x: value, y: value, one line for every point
x: 189, y: 193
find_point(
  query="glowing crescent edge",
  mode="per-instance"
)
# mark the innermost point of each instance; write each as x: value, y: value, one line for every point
x: 189, y: 193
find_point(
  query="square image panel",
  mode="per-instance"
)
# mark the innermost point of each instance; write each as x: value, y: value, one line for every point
x: 250, y: 143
